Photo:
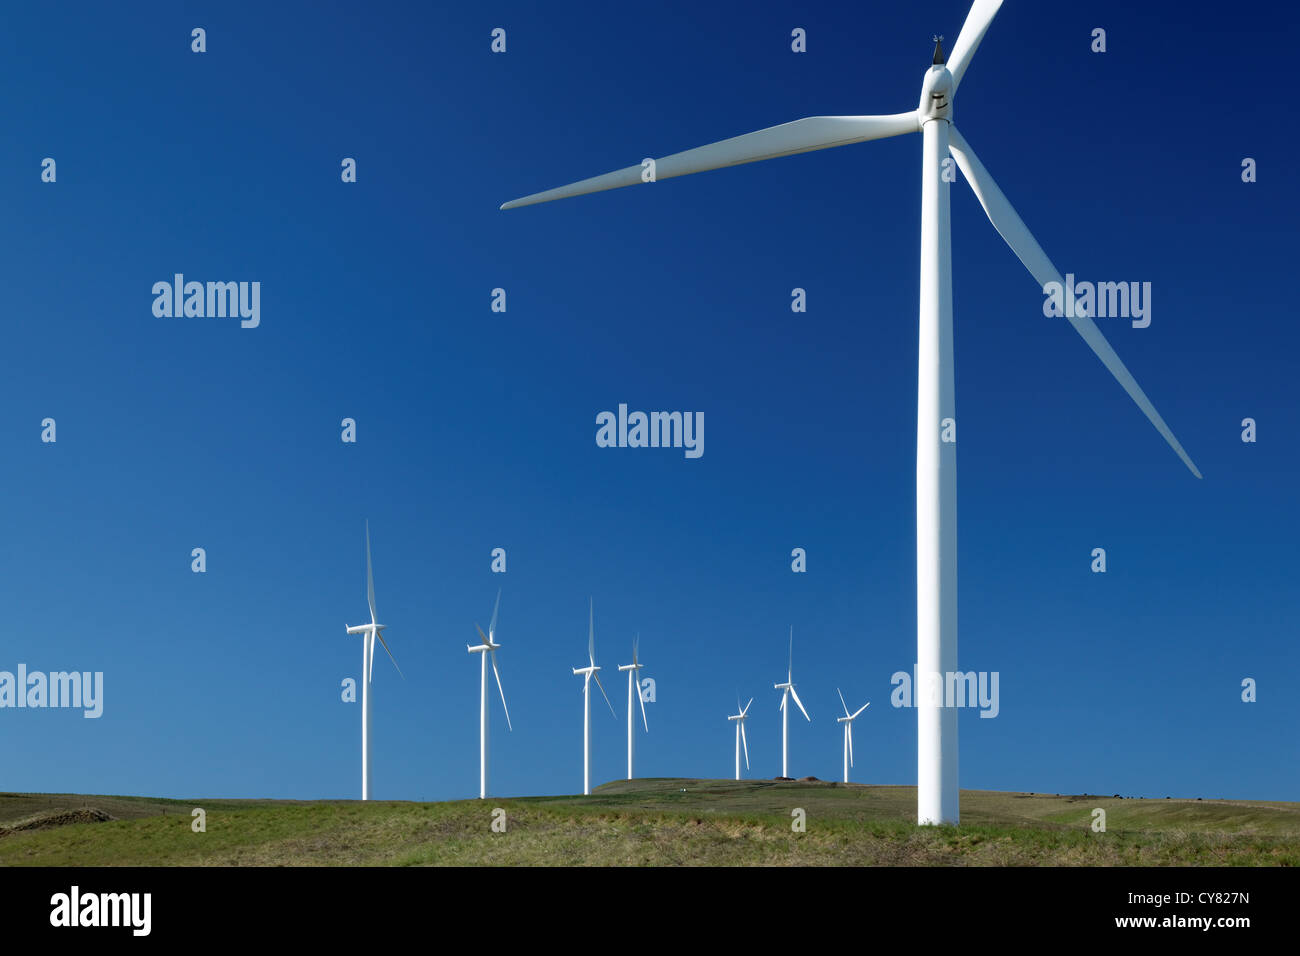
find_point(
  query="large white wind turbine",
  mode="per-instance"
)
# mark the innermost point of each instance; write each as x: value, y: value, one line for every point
x: 787, y: 692
x: 936, y: 460
x: 370, y: 632
x: 488, y: 647
x: 847, y: 720
x: 739, y: 717
x: 633, y: 682
x: 589, y: 672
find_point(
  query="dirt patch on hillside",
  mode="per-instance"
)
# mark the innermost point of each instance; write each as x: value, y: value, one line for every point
x: 56, y: 818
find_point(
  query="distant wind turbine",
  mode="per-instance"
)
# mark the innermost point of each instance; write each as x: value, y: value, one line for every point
x: 488, y: 647
x: 847, y: 720
x: 589, y: 672
x: 936, y: 410
x: 788, y: 691
x: 370, y: 632
x: 633, y: 682
x: 739, y: 718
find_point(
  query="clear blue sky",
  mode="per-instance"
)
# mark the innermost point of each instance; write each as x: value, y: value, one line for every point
x: 476, y: 429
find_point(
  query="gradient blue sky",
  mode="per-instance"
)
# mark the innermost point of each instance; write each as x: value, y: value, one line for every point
x: 476, y: 429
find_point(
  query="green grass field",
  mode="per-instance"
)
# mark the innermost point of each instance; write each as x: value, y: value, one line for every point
x: 659, y: 822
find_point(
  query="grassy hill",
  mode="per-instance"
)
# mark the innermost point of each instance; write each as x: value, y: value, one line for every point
x: 650, y: 822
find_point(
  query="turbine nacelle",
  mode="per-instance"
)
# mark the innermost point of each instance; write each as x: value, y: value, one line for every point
x: 937, y: 90
x: 366, y: 628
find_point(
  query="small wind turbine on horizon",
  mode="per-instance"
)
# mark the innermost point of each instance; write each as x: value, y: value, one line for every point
x: 370, y: 632
x: 488, y: 647
x: 739, y: 718
x: 588, y: 673
x: 937, y: 795
x: 788, y: 691
x: 633, y: 686
x: 847, y: 720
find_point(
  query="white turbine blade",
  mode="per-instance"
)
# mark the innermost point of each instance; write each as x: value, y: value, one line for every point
x: 746, y: 710
x: 860, y: 710
x: 789, y: 674
x: 744, y: 743
x: 784, y: 695
x: 1009, y: 224
x: 481, y: 634
x: 844, y: 705
x: 603, y: 694
x: 801, y: 136
x: 370, y: 660
x: 848, y: 729
x: 591, y: 632
x: 641, y: 699
x: 795, y: 695
x: 370, y: 578
x: 977, y: 23
x: 492, y: 628
x: 500, y: 689
x: 390, y: 654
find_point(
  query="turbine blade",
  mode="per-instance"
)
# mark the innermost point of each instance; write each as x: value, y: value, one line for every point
x: 591, y: 632
x: 603, y: 694
x: 492, y: 628
x: 641, y: 699
x: 977, y: 23
x: 1012, y: 229
x: 844, y: 705
x: 370, y: 578
x: 848, y: 729
x: 746, y: 710
x: 789, y: 676
x: 744, y: 743
x: 801, y: 136
x: 500, y: 689
x: 795, y: 695
x: 861, y: 709
x: 390, y: 654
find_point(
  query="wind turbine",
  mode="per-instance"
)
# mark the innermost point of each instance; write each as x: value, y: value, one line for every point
x: 589, y: 672
x: 369, y: 633
x: 936, y: 460
x: 847, y: 720
x: 632, y: 681
x: 788, y: 691
x: 739, y: 718
x: 489, y: 646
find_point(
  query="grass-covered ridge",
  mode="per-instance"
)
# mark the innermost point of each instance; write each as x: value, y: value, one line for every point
x: 651, y: 822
